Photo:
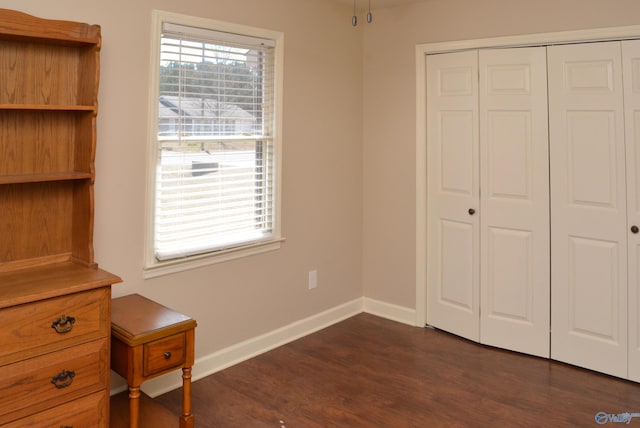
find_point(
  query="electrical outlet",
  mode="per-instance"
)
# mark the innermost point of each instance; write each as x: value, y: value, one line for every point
x: 313, y: 279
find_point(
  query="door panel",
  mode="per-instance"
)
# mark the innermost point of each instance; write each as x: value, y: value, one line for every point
x: 631, y: 67
x: 456, y: 146
x: 593, y: 288
x: 509, y: 277
x: 588, y: 207
x: 514, y: 174
x: 509, y: 151
x: 592, y: 161
x: 452, y: 183
x: 457, y: 255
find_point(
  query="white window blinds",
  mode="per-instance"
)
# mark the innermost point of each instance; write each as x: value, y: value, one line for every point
x: 214, y: 186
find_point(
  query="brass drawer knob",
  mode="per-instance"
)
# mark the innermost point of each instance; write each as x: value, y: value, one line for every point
x: 64, y: 324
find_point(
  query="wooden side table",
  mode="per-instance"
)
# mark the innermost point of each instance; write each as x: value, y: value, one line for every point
x: 149, y: 340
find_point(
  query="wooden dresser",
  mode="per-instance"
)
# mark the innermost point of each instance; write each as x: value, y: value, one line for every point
x: 55, y: 303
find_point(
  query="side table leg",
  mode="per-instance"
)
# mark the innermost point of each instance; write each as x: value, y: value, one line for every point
x: 134, y: 406
x: 186, y: 420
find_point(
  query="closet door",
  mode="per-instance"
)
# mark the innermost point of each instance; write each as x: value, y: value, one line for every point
x: 452, y: 175
x: 514, y: 222
x: 631, y: 72
x: 588, y: 207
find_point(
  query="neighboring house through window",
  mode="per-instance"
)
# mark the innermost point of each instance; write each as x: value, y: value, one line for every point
x: 215, y: 149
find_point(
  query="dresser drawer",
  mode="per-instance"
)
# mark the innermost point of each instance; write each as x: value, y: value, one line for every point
x: 48, y: 325
x: 164, y: 354
x: 90, y: 411
x: 49, y: 380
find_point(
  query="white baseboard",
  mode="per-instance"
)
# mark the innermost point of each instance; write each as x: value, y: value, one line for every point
x: 243, y: 351
x: 389, y: 311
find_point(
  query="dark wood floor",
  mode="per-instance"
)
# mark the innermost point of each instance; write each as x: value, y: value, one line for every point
x: 152, y: 414
x: 371, y: 372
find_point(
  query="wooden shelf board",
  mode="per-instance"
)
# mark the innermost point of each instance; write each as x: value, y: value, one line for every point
x: 48, y: 107
x: 52, y: 280
x: 39, y: 178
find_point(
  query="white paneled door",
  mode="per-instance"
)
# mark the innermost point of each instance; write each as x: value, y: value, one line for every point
x: 488, y: 197
x: 533, y: 200
x: 514, y: 200
x: 588, y: 207
x: 631, y: 73
x: 453, y: 221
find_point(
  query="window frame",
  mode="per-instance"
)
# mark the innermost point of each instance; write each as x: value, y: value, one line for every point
x: 152, y: 266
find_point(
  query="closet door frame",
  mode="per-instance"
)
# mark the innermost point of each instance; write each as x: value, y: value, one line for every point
x: 631, y: 73
x: 600, y: 34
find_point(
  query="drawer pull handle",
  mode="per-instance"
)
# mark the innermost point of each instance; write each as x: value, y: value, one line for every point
x: 167, y: 355
x: 64, y: 324
x: 63, y: 379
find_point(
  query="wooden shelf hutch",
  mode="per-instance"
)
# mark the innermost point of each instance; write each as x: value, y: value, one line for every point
x: 55, y: 303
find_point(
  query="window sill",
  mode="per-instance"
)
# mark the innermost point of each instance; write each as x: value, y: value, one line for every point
x: 156, y: 269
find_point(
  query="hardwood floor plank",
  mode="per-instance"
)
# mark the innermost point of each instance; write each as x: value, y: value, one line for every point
x: 152, y: 414
x: 370, y: 372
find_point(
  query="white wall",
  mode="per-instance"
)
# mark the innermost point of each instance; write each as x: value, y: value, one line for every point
x: 389, y: 124
x: 349, y: 148
x: 322, y: 165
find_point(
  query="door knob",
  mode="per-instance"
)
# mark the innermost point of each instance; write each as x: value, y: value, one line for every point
x: 472, y: 211
x: 634, y: 229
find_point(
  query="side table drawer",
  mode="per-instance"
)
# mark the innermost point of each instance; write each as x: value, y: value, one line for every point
x: 164, y: 354
x: 48, y: 325
x: 49, y: 380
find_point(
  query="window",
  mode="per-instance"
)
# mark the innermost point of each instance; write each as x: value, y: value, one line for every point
x: 215, y: 155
